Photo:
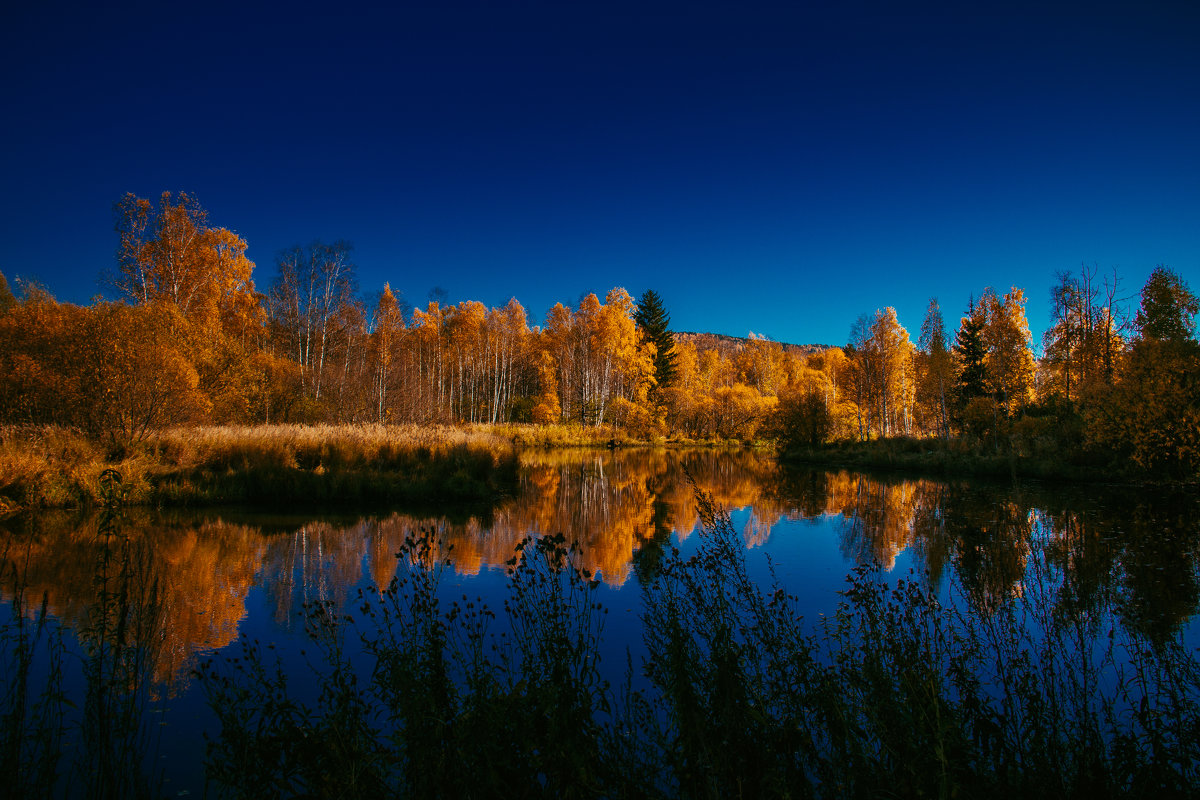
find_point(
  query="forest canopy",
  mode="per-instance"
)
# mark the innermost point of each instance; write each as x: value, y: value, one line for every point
x: 193, y: 339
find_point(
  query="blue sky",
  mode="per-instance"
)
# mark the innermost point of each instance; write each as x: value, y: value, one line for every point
x: 779, y: 168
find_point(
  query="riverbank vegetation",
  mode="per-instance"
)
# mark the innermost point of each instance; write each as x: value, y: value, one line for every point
x: 193, y: 341
x: 49, y: 466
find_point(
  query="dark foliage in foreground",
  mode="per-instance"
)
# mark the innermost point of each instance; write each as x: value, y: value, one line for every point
x: 896, y: 695
x: 107, y: 747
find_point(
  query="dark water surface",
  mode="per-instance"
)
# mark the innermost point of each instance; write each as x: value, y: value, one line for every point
x: 1127, y: 555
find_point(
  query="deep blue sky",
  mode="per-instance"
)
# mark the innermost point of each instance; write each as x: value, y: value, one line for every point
x: 776, y: 168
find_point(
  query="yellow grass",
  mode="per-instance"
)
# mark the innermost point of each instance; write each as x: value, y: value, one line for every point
x: 358, y: 443
x: 55, y: 467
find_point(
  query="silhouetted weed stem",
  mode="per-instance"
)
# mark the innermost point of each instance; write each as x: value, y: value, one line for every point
x: 902, y: 691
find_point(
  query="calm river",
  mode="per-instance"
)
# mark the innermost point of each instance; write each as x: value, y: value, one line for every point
x: 223, y: 574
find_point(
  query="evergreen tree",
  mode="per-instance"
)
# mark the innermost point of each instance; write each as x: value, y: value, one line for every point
x: 1169, y: 308
x: 970, y: 351
x: 7, y: 300
x: 654, y: 322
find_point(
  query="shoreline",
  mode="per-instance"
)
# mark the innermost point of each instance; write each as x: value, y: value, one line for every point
x: 51, y: 467
x: 48, y: 467
x: 933, y: 458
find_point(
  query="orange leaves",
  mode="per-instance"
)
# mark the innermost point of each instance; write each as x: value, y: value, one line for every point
x: 110, y: 369
x: 737, y: 411
x: 1152, y: 416
x: 599, y: 357
x: 170, y: 254
x: 1009, y: 361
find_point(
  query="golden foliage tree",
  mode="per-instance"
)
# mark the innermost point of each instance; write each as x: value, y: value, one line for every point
x: 1083, y: 344
x: 1009, y: 361
x: 168, y: 253
x: 599, y: 356
x: 1152, y: 416
x: 881, y: 376
x: 7, y: 299
x: 111, y: 369
x: 385, y: 343
x: 935, y: 372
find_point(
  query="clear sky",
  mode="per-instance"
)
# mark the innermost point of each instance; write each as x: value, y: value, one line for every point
x: 779, y: 168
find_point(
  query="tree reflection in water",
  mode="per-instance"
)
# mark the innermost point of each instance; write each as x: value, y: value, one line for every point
x: 619, y: 510
x: 1132, y: 554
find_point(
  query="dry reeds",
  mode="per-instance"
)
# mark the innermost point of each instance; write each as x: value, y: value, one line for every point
x: 49, y: 467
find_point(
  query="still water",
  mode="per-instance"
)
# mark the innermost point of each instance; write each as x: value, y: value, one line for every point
x: 221, y: 575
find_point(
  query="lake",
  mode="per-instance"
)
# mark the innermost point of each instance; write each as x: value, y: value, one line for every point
x: 1102, y: 558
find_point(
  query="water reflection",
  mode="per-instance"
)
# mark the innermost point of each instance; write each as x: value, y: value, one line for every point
x: 1132, y: 551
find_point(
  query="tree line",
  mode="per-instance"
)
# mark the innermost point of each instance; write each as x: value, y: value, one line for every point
x: 1110, y: 389
x: 193, y: 339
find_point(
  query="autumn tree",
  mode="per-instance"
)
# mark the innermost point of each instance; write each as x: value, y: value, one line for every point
x: 1083, y: 343
x: 684, y: 399
x: 802, y: 418
x: 113, y: 370
x: 738, y: 411
x: 1152, y: 416
x: 937, y: 369
x: 599, y: 356
x: 882, y: 374
x: 858, y: 370
x: 385, y: 342
x: 547, y: 409
x: 169, y: 253
x: 759, y: 363
x: 314, y: 285
x: 132, y: 373
x: 505, y: 353
x: 429, y: 362
x: 1009, y: 363
x: 35, y: 340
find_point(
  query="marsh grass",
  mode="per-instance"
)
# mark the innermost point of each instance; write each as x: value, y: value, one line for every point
x: 528, y: 435
x: 48, y: 467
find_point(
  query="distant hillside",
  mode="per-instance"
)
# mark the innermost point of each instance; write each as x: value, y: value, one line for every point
x: 733, y: 344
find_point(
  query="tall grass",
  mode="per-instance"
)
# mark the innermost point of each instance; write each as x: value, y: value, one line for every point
x: 33, y: 703
x: 899, y: 693
x: 51, y: 746
x: 456, y: 702
x: 49, y: 467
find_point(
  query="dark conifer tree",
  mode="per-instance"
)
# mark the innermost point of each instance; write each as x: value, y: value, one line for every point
x: 970, y: 351
x: 1169, y: 308
x: 654, y: 322
x: 7, y: 300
